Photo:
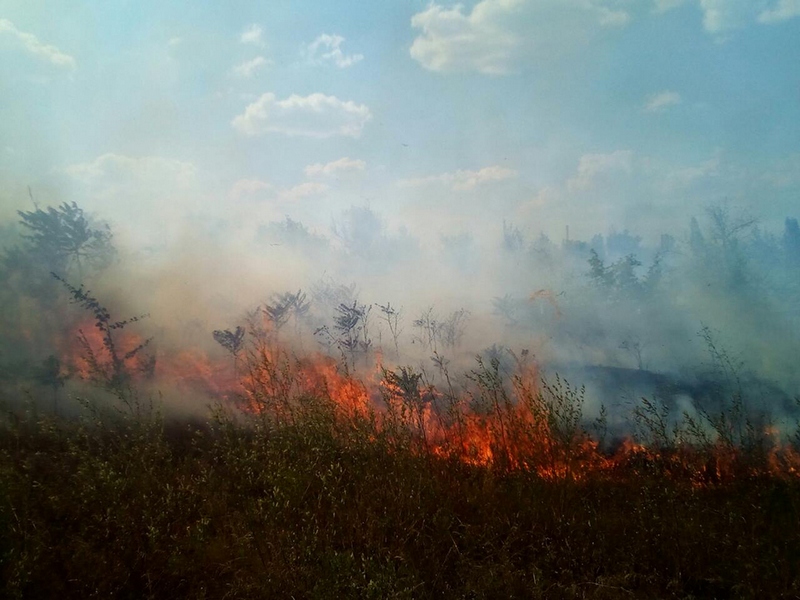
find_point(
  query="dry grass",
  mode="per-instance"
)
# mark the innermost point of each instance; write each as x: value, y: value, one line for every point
x: 326, y: 507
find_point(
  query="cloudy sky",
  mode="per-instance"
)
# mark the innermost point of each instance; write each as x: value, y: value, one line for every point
x: 441, y: 117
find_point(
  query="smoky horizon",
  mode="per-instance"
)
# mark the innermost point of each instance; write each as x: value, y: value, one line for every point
x: 605, y: 190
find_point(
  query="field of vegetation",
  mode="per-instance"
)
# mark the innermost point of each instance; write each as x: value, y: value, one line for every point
x: 310, y: 501
x: 335, y: 473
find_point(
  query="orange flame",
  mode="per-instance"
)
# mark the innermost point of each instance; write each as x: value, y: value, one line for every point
x: 515, y: 432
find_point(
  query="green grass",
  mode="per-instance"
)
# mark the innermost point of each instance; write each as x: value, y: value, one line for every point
x: 325, y: 507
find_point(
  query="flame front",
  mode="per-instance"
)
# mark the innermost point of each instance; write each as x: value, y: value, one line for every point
x: 482, y: 426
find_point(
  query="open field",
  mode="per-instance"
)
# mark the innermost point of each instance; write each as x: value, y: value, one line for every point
x: 349, y: 453
x: 306, y: 500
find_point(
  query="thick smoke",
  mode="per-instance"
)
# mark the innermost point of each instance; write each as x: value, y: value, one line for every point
x: 674, y: 315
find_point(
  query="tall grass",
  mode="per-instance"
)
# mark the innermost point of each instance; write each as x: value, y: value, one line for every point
x: 297, y: 497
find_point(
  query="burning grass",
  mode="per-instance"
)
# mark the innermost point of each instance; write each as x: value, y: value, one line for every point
x: 324, y: 485
x: 314, y: 477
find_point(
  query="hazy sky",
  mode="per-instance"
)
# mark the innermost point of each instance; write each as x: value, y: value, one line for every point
x: 442, y: 117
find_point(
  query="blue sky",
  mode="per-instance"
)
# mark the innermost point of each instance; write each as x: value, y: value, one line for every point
x: 442, y: 117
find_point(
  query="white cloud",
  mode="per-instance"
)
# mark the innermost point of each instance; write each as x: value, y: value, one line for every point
x: 782, y: 11
x: 785, y: 173
x: 263, y: 190
x: 32, y: 44
x: 662, y: 101
x: 252, y: 35
x: 495, y: 34
x: 332, y: 168
x: 687, y: 176
x: 248, y: 187
x: 148, y: 197
x: 303, y: 190
x: 605, y: 189
x: 462, y: 180
x: 315, y: 115
x: 327, y: 48
x: 721, y: 16
x: 595, y: 167
x: 608, y: 17
x: 547, y: 196
x: 249, y: 67
x: 118, y: 168
x: 453, y: 41
x: 175, y: 41
x: 663, y: 6
x: 625, y: 189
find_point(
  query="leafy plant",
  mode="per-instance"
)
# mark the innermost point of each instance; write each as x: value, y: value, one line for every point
x: 392, y: 316
x: 115, y: 372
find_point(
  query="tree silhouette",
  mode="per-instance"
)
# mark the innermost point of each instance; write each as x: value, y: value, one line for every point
x: 232, y: 341
x: 63, y: 238
x: 351, y: 327
x: 791, y: 241
x: 726, y: 241
x: 51, y: 374
x: 286, y: 305
x: 392, y: 316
